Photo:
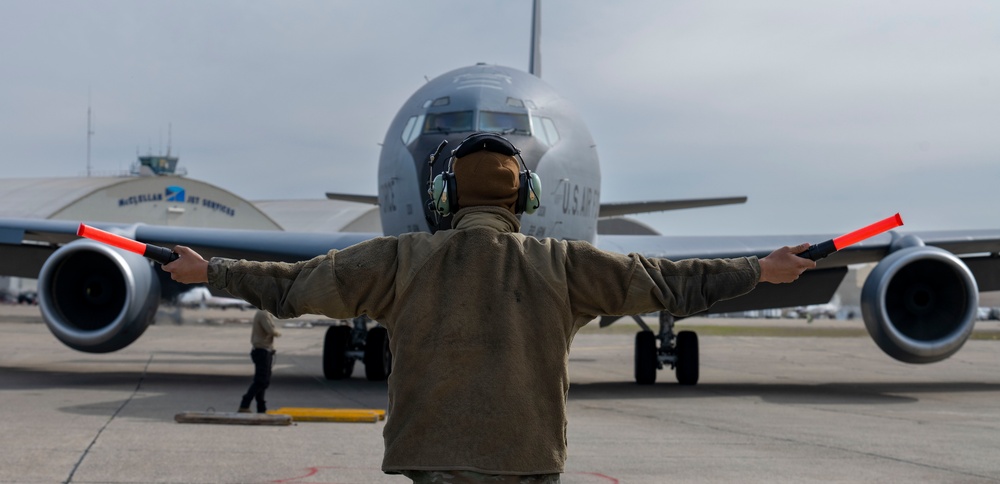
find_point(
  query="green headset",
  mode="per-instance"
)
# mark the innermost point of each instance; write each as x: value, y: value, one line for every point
x: 444, y: 192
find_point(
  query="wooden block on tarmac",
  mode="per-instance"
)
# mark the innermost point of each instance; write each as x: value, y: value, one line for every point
x: 233, y: 418
x: 332, y: 414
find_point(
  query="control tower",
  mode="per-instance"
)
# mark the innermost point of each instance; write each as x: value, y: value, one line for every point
x: 157, y: 165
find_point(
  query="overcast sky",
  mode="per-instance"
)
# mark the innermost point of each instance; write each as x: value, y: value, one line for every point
x: 827, y: 115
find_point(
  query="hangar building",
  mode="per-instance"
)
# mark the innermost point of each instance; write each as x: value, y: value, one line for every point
x: 162, y: 200
x: 155, y: 194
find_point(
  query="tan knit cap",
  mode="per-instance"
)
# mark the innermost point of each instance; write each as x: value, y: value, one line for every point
x: 487, y: 178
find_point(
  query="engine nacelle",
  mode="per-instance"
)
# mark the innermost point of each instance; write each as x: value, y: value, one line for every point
x: 919, y: 304
x: 96, y: 298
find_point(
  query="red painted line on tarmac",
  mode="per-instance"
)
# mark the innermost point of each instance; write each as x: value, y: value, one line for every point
x: 597, y: 475
x: 312, y: 472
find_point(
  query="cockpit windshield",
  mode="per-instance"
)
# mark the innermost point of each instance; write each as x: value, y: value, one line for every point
x: 459, y: 121
x: 448, y: 122
x: 506, y: 123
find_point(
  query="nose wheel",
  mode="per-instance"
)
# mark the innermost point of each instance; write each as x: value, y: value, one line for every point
x: 343, y: 346
x: 686, y: 358
x: 337, y: 365
x: 679, y: 350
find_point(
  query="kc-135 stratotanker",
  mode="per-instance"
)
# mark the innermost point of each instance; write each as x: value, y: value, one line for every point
x: 919, y: 303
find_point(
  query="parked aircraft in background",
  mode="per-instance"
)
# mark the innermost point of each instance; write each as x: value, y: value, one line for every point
x: 919, y: 303
x: 829, y: 310
x: 201, y: 297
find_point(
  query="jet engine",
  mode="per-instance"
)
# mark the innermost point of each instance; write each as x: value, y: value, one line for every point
x: 96, y: 298
x: 919, y: 303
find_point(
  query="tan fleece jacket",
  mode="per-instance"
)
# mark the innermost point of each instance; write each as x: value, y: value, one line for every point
x: 263, y: 332
x: 480, y: 321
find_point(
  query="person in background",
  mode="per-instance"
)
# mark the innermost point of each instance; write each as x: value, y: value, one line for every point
x: 262, y: 355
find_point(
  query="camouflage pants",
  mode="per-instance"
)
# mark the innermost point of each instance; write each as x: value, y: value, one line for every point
x: 469, y: 477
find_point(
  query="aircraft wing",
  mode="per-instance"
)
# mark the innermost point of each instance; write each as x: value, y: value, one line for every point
x: 25, y: 244
x: 616, y: 209
x: 98, y: 299
x: 977, y: 249
x: 350, y: 197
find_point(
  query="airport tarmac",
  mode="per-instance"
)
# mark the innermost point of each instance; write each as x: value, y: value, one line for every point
x: 767, y: 409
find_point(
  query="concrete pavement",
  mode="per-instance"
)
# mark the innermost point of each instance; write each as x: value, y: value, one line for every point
x: 767, y: 409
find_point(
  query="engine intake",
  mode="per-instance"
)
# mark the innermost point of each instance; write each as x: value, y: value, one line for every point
x: 96, y: 298
x: 919, y: 304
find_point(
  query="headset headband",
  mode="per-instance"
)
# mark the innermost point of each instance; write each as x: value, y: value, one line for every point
x: 491, y: 142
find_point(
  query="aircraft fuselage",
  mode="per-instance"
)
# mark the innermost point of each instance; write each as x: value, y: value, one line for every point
x: 554, y: 142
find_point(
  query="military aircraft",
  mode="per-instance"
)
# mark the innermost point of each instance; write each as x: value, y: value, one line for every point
x: 919, y: 303
x: 202, y: 297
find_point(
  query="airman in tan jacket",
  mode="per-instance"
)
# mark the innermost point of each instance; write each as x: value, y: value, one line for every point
x: 480, y: 321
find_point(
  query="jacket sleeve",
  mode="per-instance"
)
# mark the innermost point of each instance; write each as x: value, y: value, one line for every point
x: 341, y: 284
x: 607, y: 283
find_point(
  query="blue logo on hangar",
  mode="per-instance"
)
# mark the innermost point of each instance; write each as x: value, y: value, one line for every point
x: 175, y: 194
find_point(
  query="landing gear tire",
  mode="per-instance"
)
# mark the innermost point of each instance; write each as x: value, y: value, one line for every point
x: 645, y: 358
x: 336, y: 365
x: 378, y: 359
x: 686, y: 367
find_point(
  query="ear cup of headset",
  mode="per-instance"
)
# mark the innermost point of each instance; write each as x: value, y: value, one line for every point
x: 441, y: 193
x: 527, y: 193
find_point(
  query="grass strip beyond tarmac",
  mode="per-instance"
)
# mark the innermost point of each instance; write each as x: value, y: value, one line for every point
x: 989, y: 333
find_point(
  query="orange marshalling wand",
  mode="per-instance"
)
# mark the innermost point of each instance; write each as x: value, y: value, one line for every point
x: 823, y: 249
x: 154, y: 252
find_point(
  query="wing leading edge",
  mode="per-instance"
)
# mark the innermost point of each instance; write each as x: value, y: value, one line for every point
x: 977, y: 249
x: 27, y: 243
x: 617, y: 209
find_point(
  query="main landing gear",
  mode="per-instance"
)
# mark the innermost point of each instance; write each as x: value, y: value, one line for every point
x: 680, y: 351
x: 345, y: 345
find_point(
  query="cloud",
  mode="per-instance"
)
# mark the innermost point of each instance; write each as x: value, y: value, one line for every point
x: 820, y: 113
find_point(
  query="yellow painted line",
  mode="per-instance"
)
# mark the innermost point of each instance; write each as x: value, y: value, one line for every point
x: 331, y: 414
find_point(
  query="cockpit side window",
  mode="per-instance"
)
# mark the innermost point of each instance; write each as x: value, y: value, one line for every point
x: 545, y: 130
x: 412, y: 129
x: 507, y: 123
x: 448, y: 122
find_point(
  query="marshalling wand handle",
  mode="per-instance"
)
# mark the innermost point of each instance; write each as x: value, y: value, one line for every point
x: 825, y: 248
x: 159, y: 254
x: 818, y: 251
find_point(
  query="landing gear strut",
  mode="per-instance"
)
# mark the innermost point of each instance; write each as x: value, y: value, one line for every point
x: 680, y: 351
x: 345, y: 345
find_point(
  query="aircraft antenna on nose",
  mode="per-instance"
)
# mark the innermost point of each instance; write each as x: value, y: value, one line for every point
x: 536, y: 38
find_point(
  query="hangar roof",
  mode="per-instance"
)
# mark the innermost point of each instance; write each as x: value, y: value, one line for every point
x: 163, y: 200
x: 175, y: 200
x: 323, y: 215
x: 43, y: 197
